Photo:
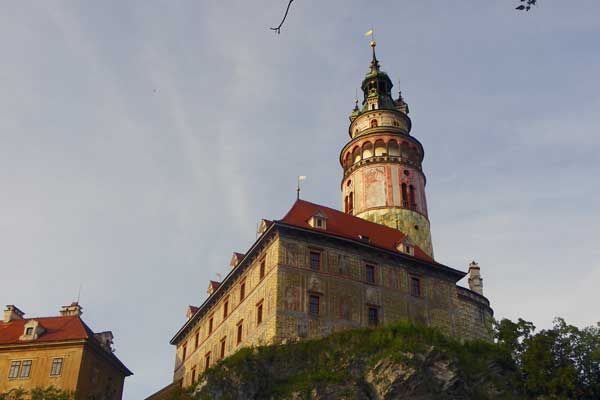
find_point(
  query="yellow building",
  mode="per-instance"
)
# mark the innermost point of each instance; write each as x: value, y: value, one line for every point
x: 319, y: 270
x: 60, y: 351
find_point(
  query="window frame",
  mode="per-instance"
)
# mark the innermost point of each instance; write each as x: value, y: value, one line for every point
x: 419, y: 287
x: 29, y: 331
x: 57, y: 361
x: 240, y: 332
x: 26, y: 366
x: 225, y: 308
x: 373, y: 269
x: 319, y: 253
x: 242, y: 290
x: 207, y: 361
x: 311, y: 297
x: 222, y: 347
x: 14, y: 370
x: 262, y: 269
x: 259, y: 312
x: 377, y: 319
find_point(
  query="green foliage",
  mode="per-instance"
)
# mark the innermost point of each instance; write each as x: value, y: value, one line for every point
x: 49, y: 393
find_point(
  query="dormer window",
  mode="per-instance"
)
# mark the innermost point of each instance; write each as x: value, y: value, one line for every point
x: 32, y: 330
x: 318, y: 221
x: 406, y: 247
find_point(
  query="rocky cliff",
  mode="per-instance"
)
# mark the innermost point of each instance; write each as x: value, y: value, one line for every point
x: 395, y: 362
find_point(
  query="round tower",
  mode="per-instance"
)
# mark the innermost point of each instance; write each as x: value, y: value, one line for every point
x: 383, y: 178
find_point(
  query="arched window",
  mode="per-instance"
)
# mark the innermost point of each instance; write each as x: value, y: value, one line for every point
x: 356, y: 155
x: 347, y: 162
x: 373, y: 121
x: 367, y: 150
x: 350, y: 202
x: 404, y: 150
x: 380, y: 148
x: 411, y: 197
x: 404, y: 196
x: 346, y: 204
x: 393, y: 148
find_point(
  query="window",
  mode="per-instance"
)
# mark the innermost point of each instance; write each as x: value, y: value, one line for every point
x: 207, y: 361
x: 225, y: 308
x: 29, y: 331
x: 373, y: 316
x: 210, y: 324
x: 415, y: 287
x: 56, y: 368
x: 223, y: 341
x: 404, y: 196
x: 262, y: 269
x: 193, y: 374
x: 197, y: 339
x: 313, y: 305
x: 259, y: 313
x: 242, y: 290
x: 239, y: 331
x: 373, y: 121
x: 350, y: 202
x: 184, y: 352
x: 15, y: 366
x: 315, y: 260
x: 370, y: 273
x: 25, y: 369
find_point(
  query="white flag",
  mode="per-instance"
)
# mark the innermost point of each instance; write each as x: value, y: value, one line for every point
x: 301, y: 177
x: 369, y: 32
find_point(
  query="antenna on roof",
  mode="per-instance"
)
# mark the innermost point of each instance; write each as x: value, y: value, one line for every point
x: 300, y: 178
x: 79, y: 292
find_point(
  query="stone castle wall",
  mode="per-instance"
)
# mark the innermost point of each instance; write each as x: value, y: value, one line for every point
x: 345, y: 295
x: 244, y: 312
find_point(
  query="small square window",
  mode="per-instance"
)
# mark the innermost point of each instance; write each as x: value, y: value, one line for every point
x: 315, y: 260
x: 29, y: 331
x: 314, y: 304
x: 56, y: 368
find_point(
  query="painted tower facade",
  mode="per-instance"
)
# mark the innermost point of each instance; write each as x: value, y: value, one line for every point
x: 383, y: 178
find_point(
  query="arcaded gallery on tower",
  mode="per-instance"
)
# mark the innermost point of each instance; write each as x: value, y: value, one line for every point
x: 319, y: 270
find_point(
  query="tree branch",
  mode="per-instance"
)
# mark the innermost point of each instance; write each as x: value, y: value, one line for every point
x: 278, y: 28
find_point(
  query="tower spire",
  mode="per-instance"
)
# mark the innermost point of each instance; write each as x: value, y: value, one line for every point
x: 374, y: 61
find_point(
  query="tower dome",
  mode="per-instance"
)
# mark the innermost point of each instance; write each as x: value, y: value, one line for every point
x: 383, y: 179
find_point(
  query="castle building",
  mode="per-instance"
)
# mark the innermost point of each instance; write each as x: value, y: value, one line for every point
x: 58, y: 351
x: 319, y: 270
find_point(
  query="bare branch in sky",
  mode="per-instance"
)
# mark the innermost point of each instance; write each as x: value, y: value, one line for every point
x: 278, y: 28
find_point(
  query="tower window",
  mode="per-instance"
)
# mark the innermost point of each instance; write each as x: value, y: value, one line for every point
x: 411, y: 196
x: 404, y: 196
x: 350, y: 202
x: 373, y: 121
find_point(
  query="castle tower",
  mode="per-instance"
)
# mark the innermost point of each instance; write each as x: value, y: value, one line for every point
x: 383, y: 178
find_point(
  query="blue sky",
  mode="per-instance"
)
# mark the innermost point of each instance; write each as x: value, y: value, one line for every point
x: 142, y: 141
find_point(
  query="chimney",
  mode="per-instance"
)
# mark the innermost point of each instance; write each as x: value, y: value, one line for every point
x: 475, y: 279
x: 11, y: 313
x: 73, y: 309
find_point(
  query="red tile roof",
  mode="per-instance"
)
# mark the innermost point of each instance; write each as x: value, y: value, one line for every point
x: 214, y: 285
x: 56, y: 329
x: 350, y: 227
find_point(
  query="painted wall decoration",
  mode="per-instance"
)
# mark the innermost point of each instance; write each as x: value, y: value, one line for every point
x: 374, y: 183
